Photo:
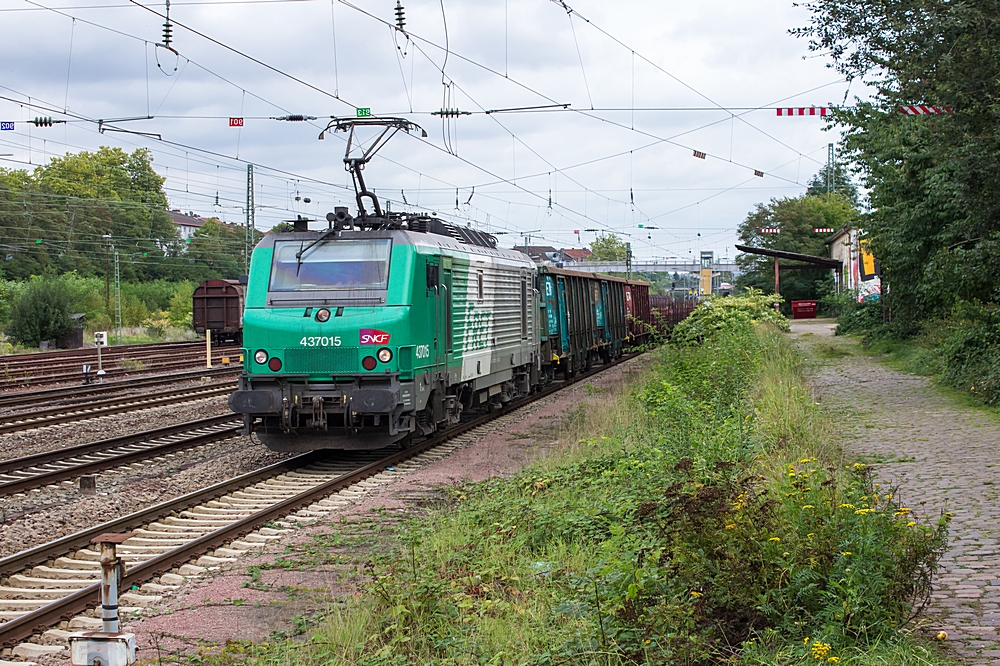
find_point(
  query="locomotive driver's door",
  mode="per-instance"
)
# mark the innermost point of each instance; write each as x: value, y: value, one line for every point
x: 443, y: 335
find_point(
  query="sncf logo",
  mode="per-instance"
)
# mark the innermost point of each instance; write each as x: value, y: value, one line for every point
x: 373, y: 336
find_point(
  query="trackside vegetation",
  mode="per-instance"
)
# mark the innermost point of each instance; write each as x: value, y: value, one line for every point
x: 703, y: 514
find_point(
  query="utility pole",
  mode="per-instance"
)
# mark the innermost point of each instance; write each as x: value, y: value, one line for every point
x: 250, y: 235
x: 118, y: 302
x: 831, y: 182
x: 628, y: 260
x: 107, y: 271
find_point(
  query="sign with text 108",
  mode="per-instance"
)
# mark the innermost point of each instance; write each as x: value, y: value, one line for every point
x: 364, y: 111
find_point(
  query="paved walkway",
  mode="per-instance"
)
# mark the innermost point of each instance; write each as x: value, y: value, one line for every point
x: 944, y: 457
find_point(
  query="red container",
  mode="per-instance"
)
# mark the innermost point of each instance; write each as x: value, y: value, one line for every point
x: 803, y: 309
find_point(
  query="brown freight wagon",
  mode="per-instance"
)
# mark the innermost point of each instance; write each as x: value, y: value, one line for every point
x: 637, y: 310
x: 218, y: 307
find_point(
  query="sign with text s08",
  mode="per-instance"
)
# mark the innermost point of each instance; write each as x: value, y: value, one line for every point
x: 364, y: 111
x: 7, y: 125
x: 236, y: 122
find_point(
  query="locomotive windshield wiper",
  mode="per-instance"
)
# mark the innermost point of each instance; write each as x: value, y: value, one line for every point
x: 298, y: 255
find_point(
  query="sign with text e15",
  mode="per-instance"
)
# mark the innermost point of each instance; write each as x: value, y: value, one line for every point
x: 364, y: 111
x: 7, y: 125
x: 236, y: 122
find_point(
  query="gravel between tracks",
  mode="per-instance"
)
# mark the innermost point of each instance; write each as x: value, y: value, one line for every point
x: 48, y: 438
x: 29, y: 519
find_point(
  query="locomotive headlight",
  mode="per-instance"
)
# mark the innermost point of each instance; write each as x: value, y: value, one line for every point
x: 322, y: 315
x: 260, y: 356
x: 385, y: 354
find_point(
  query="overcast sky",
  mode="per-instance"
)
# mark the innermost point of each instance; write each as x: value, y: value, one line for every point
x: 647, y: 83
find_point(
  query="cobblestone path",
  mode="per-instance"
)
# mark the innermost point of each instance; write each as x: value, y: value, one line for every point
x: 944, y: 456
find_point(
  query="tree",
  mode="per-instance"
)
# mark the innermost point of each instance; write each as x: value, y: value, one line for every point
x: 840, y: 183
x: 934, y: 188
x: 795, y: 219
x: 608, y: 247
x: 41, y: 312
x: 55, y: 218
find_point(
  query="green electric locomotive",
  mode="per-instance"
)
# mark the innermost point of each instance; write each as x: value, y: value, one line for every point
x: 383, y: 328
x: 391, y: 325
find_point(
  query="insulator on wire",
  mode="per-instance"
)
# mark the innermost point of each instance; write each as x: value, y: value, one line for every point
x: 44, y: 121
x: 400, y: 17
x: 295, y: 118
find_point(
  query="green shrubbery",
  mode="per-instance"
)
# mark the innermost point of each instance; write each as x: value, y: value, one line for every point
x: 704, y: 517
x: 717, y: 314
x: 156, y: 304
x: 41, y: 311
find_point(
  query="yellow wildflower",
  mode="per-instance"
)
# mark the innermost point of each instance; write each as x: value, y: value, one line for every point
x: 696, y: 594
x: 820, y: 649
x: 911, y: 524
x: 846, y: 506
x: 775, y: 539
x: 808, y: 506
x: 862, y: 512
x: 731, y: 526
x: 845, y: 553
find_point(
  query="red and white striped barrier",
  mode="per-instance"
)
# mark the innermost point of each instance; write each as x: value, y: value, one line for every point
x: 924, y: 110
x: 768, y: 231
x: 804, y: 111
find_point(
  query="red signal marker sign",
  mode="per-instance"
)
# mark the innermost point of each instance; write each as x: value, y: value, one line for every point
x: 804, y: 111
x: 823, y: 230
x: 700, y: 155
x: 768, y: 231
x: 236, y: 122
x: 924, y: 110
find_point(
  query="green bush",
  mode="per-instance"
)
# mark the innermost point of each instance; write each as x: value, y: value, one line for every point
x: 180, y: 307
x: 41, y: 312
x: 717, y: 314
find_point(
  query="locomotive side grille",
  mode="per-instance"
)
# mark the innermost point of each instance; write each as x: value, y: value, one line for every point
x: 321, y: 359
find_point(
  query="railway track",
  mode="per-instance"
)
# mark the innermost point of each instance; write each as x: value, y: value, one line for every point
x: 58, y: 581
x: 33, y: 378
x: 19, y: 475
x: 82, y: 392
x: 92, y: 410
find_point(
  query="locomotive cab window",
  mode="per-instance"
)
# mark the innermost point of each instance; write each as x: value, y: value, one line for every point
x: 361, y: 264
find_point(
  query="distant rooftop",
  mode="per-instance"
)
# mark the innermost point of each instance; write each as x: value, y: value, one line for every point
x: 185, y: 219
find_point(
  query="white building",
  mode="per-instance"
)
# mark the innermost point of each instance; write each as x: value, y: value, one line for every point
x: 187, y: 224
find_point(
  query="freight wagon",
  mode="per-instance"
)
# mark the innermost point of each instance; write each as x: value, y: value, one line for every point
x: 217, y: 306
